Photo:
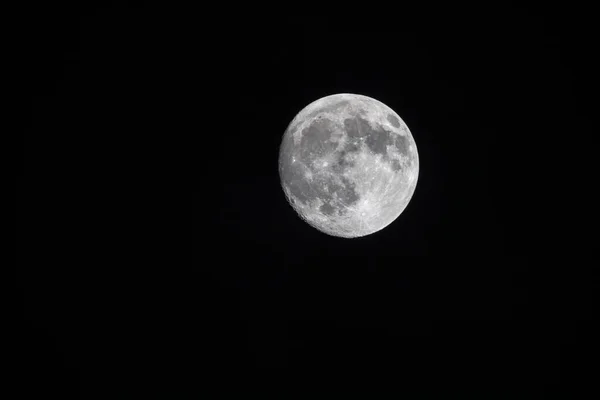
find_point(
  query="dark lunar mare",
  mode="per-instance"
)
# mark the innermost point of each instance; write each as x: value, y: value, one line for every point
x: 315, y: 143
x: 402, y: 143
x: 343, y: 163
x: 393, y: 120
x: 377, y: 139
x: 316, y: 140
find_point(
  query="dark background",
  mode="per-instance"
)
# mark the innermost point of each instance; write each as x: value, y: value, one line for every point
x: 157, y: 255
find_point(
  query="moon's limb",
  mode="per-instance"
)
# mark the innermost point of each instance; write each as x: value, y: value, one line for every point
x: 348, y: 165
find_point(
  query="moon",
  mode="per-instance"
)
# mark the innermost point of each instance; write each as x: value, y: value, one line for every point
x: 348, y: 165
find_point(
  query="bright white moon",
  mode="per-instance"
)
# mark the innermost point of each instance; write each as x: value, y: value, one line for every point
x: 348, y: 165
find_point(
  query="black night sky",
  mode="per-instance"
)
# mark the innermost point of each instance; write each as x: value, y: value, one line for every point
x: 157, y: 255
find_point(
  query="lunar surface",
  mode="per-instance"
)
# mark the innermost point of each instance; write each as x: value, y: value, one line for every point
x: 348, y: 165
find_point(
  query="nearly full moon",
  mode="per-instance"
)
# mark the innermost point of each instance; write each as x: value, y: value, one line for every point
x: 348, y: 165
